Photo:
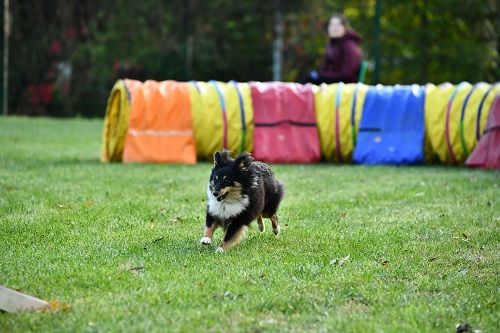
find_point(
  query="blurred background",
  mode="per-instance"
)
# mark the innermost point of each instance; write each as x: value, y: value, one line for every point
x: 64, y: 56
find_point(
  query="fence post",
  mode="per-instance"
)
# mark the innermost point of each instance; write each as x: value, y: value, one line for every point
x: 376, y: 42
x: 278, y: 40
x: 6, y: 34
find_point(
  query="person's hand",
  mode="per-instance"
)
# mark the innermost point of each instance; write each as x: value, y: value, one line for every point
x: 314, y: 75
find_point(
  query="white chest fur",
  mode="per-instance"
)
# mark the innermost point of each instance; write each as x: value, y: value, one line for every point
x: 228, y: 207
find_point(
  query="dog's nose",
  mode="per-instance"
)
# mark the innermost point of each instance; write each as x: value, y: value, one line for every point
x: 215, y: 194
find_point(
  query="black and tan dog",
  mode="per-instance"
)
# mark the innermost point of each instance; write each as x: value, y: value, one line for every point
x: 240, y: 191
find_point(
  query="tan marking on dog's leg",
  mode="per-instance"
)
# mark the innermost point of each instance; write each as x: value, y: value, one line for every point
x: 224, y: 246
x: 260, y: 223
x: 276, y: 226
x: 208, y: 234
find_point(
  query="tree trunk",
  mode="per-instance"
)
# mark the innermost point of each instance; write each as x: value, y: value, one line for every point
x: 424, y: 43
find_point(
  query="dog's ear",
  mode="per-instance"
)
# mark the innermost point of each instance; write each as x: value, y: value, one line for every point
x: 243, y: 161
x: 221, y: 158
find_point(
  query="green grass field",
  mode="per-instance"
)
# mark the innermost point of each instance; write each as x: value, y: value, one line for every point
x: 416, y: 248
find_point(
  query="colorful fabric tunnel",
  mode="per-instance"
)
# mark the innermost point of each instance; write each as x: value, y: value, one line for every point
x: 222, y: 117
x: 115, y: 123
x: 487, y: 152
x: 338, y: 113
x: 455, y: 118
x: 176, y: 122
x: 285, y: 123
x: 156, y: 118
x: 392, y: 126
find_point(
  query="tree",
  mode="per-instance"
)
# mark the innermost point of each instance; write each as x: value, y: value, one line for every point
x: 67, y: 54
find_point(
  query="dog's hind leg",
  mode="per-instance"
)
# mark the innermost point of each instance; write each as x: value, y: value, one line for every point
x: 276, y: 226
x: 260, y: 223
x: 231, y: 237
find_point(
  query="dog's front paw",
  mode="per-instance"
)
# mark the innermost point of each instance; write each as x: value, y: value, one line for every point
x: 219, y: 250
x: 205, y: 241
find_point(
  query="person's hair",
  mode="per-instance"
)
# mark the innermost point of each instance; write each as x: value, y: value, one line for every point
x: 342, y: 19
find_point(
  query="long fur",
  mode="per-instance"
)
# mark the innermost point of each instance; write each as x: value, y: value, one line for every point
x: 227, y: 208
x: 239, y: 191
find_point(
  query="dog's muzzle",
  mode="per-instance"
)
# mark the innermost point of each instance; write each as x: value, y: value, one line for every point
x: 220, y: 197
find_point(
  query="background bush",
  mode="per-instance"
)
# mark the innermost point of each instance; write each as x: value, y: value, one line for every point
x: 65, y: 55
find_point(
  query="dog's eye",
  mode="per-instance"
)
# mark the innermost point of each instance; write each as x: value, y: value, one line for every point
x: 224, y: 178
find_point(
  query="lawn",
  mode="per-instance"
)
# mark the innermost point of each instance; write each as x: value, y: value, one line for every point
x: 362, y: 249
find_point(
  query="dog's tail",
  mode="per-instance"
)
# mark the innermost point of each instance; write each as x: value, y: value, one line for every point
x: 281, y: 190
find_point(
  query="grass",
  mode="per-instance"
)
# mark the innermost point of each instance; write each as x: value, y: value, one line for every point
x: 417, y: 248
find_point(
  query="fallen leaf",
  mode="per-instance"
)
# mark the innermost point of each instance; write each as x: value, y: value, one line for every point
x: 251, y: 281
x: 383, y: 262
x: 56, y: 305
x: 344, y: 260
x: 176, y: 218
x: 340, y: 262
x: 270, y: 321
x: 137, y: 270
x: 227, y: 295
x: 156, y: 240
x: 465, y: 238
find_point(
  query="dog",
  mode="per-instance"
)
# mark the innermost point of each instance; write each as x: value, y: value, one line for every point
x: 239, y: 191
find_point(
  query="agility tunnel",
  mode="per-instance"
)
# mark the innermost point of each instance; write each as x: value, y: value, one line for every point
x: 455, y: 118
x: 338, y: 113
x: 285, y: 123
x: 392, y: 126
x: 487, y: 153
x: 222, y: 116
x: 116, y: 121
x: 149, y: 122
x: 181, y: 122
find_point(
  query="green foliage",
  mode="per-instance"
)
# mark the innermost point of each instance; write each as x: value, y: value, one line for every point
x: 421, y: 41
x: 362, y: 249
